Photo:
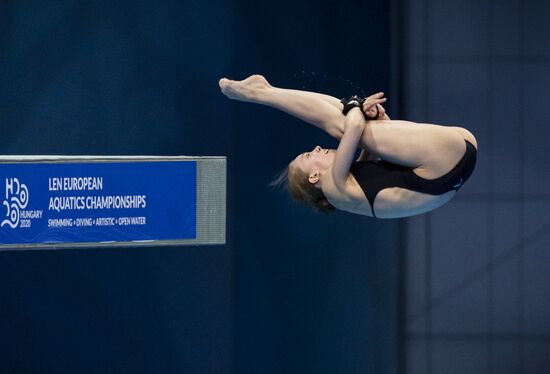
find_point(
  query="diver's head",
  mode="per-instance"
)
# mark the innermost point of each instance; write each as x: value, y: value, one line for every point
x: 304, y: 176
x: 314, y: 163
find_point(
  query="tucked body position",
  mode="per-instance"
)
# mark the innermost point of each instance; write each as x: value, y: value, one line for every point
x: 404, y: 169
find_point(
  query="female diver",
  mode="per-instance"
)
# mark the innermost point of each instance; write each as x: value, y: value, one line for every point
x: 405, y: 168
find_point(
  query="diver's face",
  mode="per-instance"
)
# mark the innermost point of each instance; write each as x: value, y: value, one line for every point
x: 316, y: 160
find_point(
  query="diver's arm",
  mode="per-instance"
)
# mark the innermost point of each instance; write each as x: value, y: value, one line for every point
x: 365, y: 154
x: 353, y: 130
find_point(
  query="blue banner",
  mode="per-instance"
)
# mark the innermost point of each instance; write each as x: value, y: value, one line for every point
x: 94, y: 202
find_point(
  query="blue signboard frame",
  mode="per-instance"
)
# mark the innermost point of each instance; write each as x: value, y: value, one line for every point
x: 74, y: 202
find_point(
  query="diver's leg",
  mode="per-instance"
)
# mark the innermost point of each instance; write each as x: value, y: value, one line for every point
x: 467, y: 135
x: 307, y: 106
x: 320, y: 110
x: 432, y: 150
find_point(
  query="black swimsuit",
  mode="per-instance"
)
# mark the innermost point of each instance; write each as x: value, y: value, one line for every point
x: 374, y: 176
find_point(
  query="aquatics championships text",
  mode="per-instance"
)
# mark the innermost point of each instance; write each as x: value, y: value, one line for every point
x: 97, y: 202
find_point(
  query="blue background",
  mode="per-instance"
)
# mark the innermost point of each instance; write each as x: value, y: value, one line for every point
x: 461, y: 290
x: 292, y: 291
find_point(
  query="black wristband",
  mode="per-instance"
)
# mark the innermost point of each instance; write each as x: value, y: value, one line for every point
x: 356, y: 101
x: 352, y: 102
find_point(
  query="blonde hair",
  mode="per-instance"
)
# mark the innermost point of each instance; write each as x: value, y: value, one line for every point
x: 297, y: 183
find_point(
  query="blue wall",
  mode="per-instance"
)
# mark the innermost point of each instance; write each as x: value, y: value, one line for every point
x: 477, y: 270
x: 292, y: 291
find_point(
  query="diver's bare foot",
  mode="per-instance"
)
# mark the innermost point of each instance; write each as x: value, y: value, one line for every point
x: 245, y: 90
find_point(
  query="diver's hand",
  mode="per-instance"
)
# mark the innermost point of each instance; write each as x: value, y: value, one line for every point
x: 372, y: 106
x: 381, y: 113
